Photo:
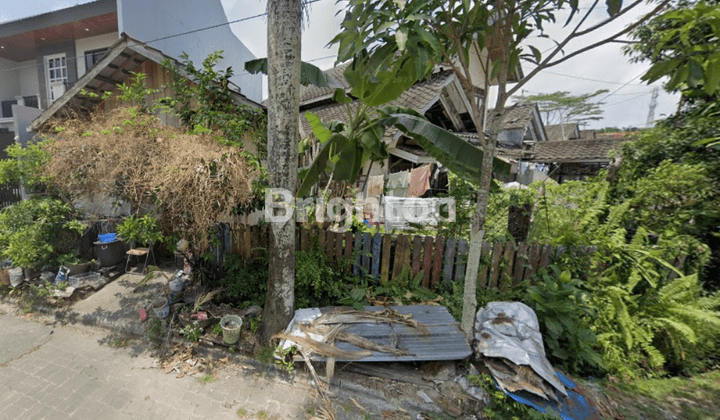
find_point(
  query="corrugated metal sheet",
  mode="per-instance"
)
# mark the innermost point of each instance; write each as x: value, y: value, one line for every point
x: 439, y: 336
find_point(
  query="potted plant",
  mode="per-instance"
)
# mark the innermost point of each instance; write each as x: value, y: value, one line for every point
x: 140, y: 231
x: 73, y: 263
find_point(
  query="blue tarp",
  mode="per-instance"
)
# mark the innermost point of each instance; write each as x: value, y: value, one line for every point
x: 572, y: 407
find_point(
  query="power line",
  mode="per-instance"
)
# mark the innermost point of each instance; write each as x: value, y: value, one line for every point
x: 591, y: 80
x: 618, y: 89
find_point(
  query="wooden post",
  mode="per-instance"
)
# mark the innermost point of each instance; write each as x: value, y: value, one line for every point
x: 402, y: 255
x: 367, y: 252
x: 531, y: 268
x: 520, y: 260
x: 427, y: 261
x: 495, y: 265
x: 385, y: 265
x: 509, y: 257
x: 449, y: 262
x: 484, y: 265
x: 461, y: 259
x: 437, y: 261
x: 375, y: 264
x: 416, y: 255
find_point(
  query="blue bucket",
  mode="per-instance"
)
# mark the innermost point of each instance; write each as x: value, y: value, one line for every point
x: 106, y: 237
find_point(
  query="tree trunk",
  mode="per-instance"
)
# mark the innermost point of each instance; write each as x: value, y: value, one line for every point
x: 284, y: 19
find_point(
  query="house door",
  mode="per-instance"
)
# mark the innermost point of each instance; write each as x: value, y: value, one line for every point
x: 56, y: 66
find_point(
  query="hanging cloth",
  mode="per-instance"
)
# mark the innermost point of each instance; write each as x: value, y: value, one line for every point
x: 419, y: 181
x: 375, y: 186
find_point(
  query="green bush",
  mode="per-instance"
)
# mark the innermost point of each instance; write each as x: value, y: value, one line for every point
x: 142, y: 230
x: 561, y: 305
x: 244, y: 284
x: 35, y: 232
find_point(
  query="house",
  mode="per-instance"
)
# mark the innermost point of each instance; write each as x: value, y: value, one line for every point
x: 124, y: 57
x: 520, y: 126
x: 568, y: 131
x: 43, y: 56
x: 574, y: 160
x: 440, y: 98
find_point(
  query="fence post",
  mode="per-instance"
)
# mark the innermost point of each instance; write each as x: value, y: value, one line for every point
x: 449, y: 262
x: 386, y: 250
x: 427, y: 261
x: 495, y: 265
x: 461, y: 259
x: 416, y: 257
x: 437, y: 261
x: 375, y: 264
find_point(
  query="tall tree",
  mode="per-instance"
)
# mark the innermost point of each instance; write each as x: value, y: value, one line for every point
x: 283, y: 38
x: 451, y: 33
x: 563, y: 108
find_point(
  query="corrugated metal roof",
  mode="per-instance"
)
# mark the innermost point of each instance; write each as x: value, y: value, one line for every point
x: 438, y: 336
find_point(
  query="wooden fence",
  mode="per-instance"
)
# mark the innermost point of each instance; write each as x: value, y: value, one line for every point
x: 384, y: 256
x: 9, y: 194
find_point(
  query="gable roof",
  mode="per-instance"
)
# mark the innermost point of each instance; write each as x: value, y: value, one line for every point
x: 419, y: 97
x: 515, y: 117
x: 562, y: 131
x: 312, y: 93
x: 567, y: 151
x: 126, y: 55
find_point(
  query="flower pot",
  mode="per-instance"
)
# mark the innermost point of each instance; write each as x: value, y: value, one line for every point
x: 74, y: 269
x: 230, y: 325
x: 161, y: 307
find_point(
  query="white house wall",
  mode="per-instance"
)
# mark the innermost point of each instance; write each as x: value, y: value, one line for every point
x: 89, y: 44
x: 28, y: 78
x: 9, y: 80
x: 147, y: 20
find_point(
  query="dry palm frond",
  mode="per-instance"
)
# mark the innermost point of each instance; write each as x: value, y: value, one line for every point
x: 205, y: 298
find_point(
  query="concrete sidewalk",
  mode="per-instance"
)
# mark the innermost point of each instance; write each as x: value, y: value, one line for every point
x: 77, y: 373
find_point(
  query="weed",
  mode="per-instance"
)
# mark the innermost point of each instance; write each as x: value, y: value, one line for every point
x: 217, y: 329
x: 310, y: 410
x: 119, y: 343
x: 347, y: 407
x: 207, y: 378
x: 154, y: 329
x: 266, y: 354
x: 192, y: 332
x: 262, y: 415
x: 284, y: 358
x: 241, y: 412
x: 255, y: 324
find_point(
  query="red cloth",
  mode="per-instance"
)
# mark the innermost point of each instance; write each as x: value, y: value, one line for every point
x: 419, y: 181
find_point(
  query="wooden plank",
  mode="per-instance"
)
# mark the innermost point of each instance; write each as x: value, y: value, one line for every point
x: 416, y: 255
x: 329, y: 245
x: 367, y: 252
x: 385, y: 264
x: 397, y: 257
x: 449, y: 261
x: 532, y: 254
x: 509, y: 259
x: 427, y: 261
x: 338, y: 247
x: 520, y: 260
x: 375, y: 263
x: 484, y: 265
x: 546, y: 256
x: 321, y: 239
x: 348, y: 245
x: 497, y: 254
x: 303, y: 239
x: 239, y: 238
x: 461, y: 260
x: 358, y: 250
x: 247, y: 244
x: 437, y: 261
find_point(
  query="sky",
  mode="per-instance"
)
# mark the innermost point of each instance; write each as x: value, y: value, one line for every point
x: 626, y: 104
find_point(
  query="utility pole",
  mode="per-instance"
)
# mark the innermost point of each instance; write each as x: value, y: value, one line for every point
x: 653, y: 105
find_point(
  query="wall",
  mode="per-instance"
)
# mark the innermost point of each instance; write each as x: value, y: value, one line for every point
x: 147, y: 20
x: 22, y: 118
x: 67, y: 47
x: 92, y: 43
x: 28, y: 77
x: 9, y: 80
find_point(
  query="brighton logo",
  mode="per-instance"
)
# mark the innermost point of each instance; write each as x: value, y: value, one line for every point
x: 393, y: 212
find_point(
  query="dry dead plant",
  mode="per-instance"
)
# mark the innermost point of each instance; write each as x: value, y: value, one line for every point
x: 132, y: 156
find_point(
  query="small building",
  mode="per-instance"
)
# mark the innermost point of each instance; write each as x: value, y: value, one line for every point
x: 575, y: 160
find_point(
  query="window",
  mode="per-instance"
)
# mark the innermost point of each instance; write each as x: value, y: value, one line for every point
x: 93, y: 56
x: 56, y: 75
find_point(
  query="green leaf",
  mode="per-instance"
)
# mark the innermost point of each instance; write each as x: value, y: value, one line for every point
x: 309, y: 74
x: 322, y: 133
x: 311, y: 174
x: 456, y: 153
x: 658, y: 70
x: 536, y: 53
x: 613, y: 6
x: 341, y: 97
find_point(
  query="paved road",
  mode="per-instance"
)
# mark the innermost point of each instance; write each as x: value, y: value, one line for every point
x: 52, y: 372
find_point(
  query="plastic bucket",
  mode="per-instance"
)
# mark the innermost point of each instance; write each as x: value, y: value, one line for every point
x: 161, y: 307
x: 176, y: 287
x: 106, y: 237
x: 109, y: 253
x: 231, y: 328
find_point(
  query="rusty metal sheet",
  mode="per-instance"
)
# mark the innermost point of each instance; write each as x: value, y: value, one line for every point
x: 437, y: 337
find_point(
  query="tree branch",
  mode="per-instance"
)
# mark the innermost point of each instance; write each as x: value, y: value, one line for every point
x: 610, y: 38
x: 547, y: 62
x: 606, y: 21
